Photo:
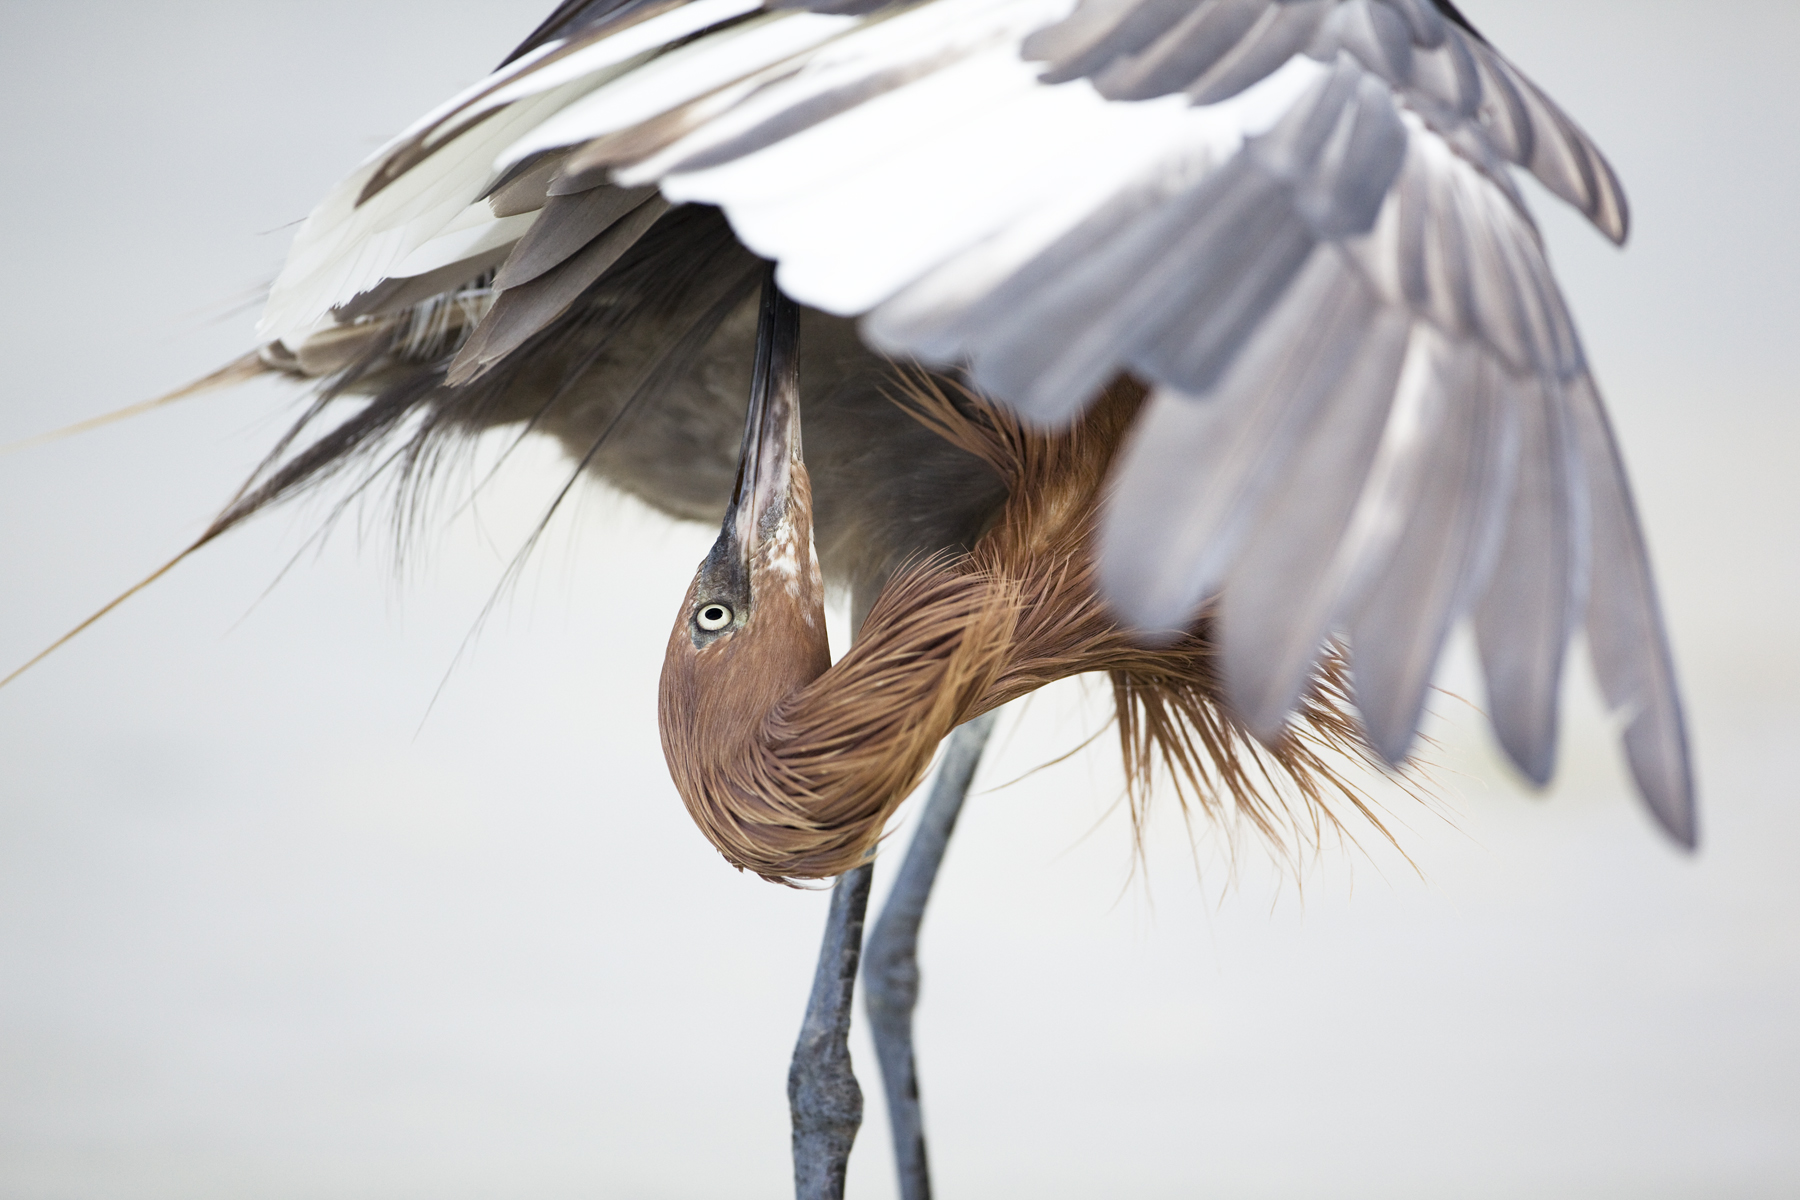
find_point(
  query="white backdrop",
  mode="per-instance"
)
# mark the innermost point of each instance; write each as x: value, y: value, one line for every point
x: 272, y: 925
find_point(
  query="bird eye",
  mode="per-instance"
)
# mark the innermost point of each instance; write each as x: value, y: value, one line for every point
x: 712, y: 617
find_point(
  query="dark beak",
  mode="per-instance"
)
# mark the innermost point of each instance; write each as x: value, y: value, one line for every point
x: 771, y: 429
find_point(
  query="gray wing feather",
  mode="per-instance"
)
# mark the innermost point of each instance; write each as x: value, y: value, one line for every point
x: 1238, y: 274
x: 1281, y: 31
x: 1460, y: 252
x: 568, y: 224
x: 1376, y: 34
x: 403, y: 292
x: 1446, y: 75
x: 1533, y: 132
x: 1205, y: 266
x: 525, y: 188
x: 1099, y: 32
x: 1450, y: 503
x: 1215, y: 48
x: 1197, y: 471
x: 950, y: 332
x: 1525, y: 618
x: 1286, y: 589
x: 1175, y: 293
x: 1212, y: 51
x: 1424, y: 22
x: 1625, y: 631
x: 521, y: 312
x: 1340, y: 153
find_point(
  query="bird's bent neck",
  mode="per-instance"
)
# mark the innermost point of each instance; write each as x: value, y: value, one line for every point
x: 791, y: 768
x: 721, y: 693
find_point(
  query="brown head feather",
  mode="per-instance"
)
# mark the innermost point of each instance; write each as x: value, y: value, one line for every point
x: 805, y: 790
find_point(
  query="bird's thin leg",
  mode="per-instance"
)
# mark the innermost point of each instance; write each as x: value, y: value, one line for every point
x: 892, y: 969
x: 823, y: 1096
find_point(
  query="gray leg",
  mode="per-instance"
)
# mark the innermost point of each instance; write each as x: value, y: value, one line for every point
x: 892, y: 971
x: 823, y: 1096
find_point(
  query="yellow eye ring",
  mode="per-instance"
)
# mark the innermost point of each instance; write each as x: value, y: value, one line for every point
x: 713, y: 617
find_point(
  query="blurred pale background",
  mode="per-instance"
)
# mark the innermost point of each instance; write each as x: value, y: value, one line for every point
x: 273, y: 926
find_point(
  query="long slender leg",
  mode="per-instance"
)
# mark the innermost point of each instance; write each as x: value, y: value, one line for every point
x: 823, y: 1096
x: 892, y: 969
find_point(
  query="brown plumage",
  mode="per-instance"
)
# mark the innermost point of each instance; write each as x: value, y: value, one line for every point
x: 792, y: 769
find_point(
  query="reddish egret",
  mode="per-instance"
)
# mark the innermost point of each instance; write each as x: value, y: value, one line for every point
x: 1207, y: 343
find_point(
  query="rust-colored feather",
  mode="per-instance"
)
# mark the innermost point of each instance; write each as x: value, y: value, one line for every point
x: 805, y: 790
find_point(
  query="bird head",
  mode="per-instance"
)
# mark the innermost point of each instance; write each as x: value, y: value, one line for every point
x: 751, y: 629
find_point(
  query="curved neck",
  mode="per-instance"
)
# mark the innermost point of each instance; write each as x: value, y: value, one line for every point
x: 792, y: 768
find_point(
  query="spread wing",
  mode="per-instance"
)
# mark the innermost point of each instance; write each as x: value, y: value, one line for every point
x: 1296, y: 220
